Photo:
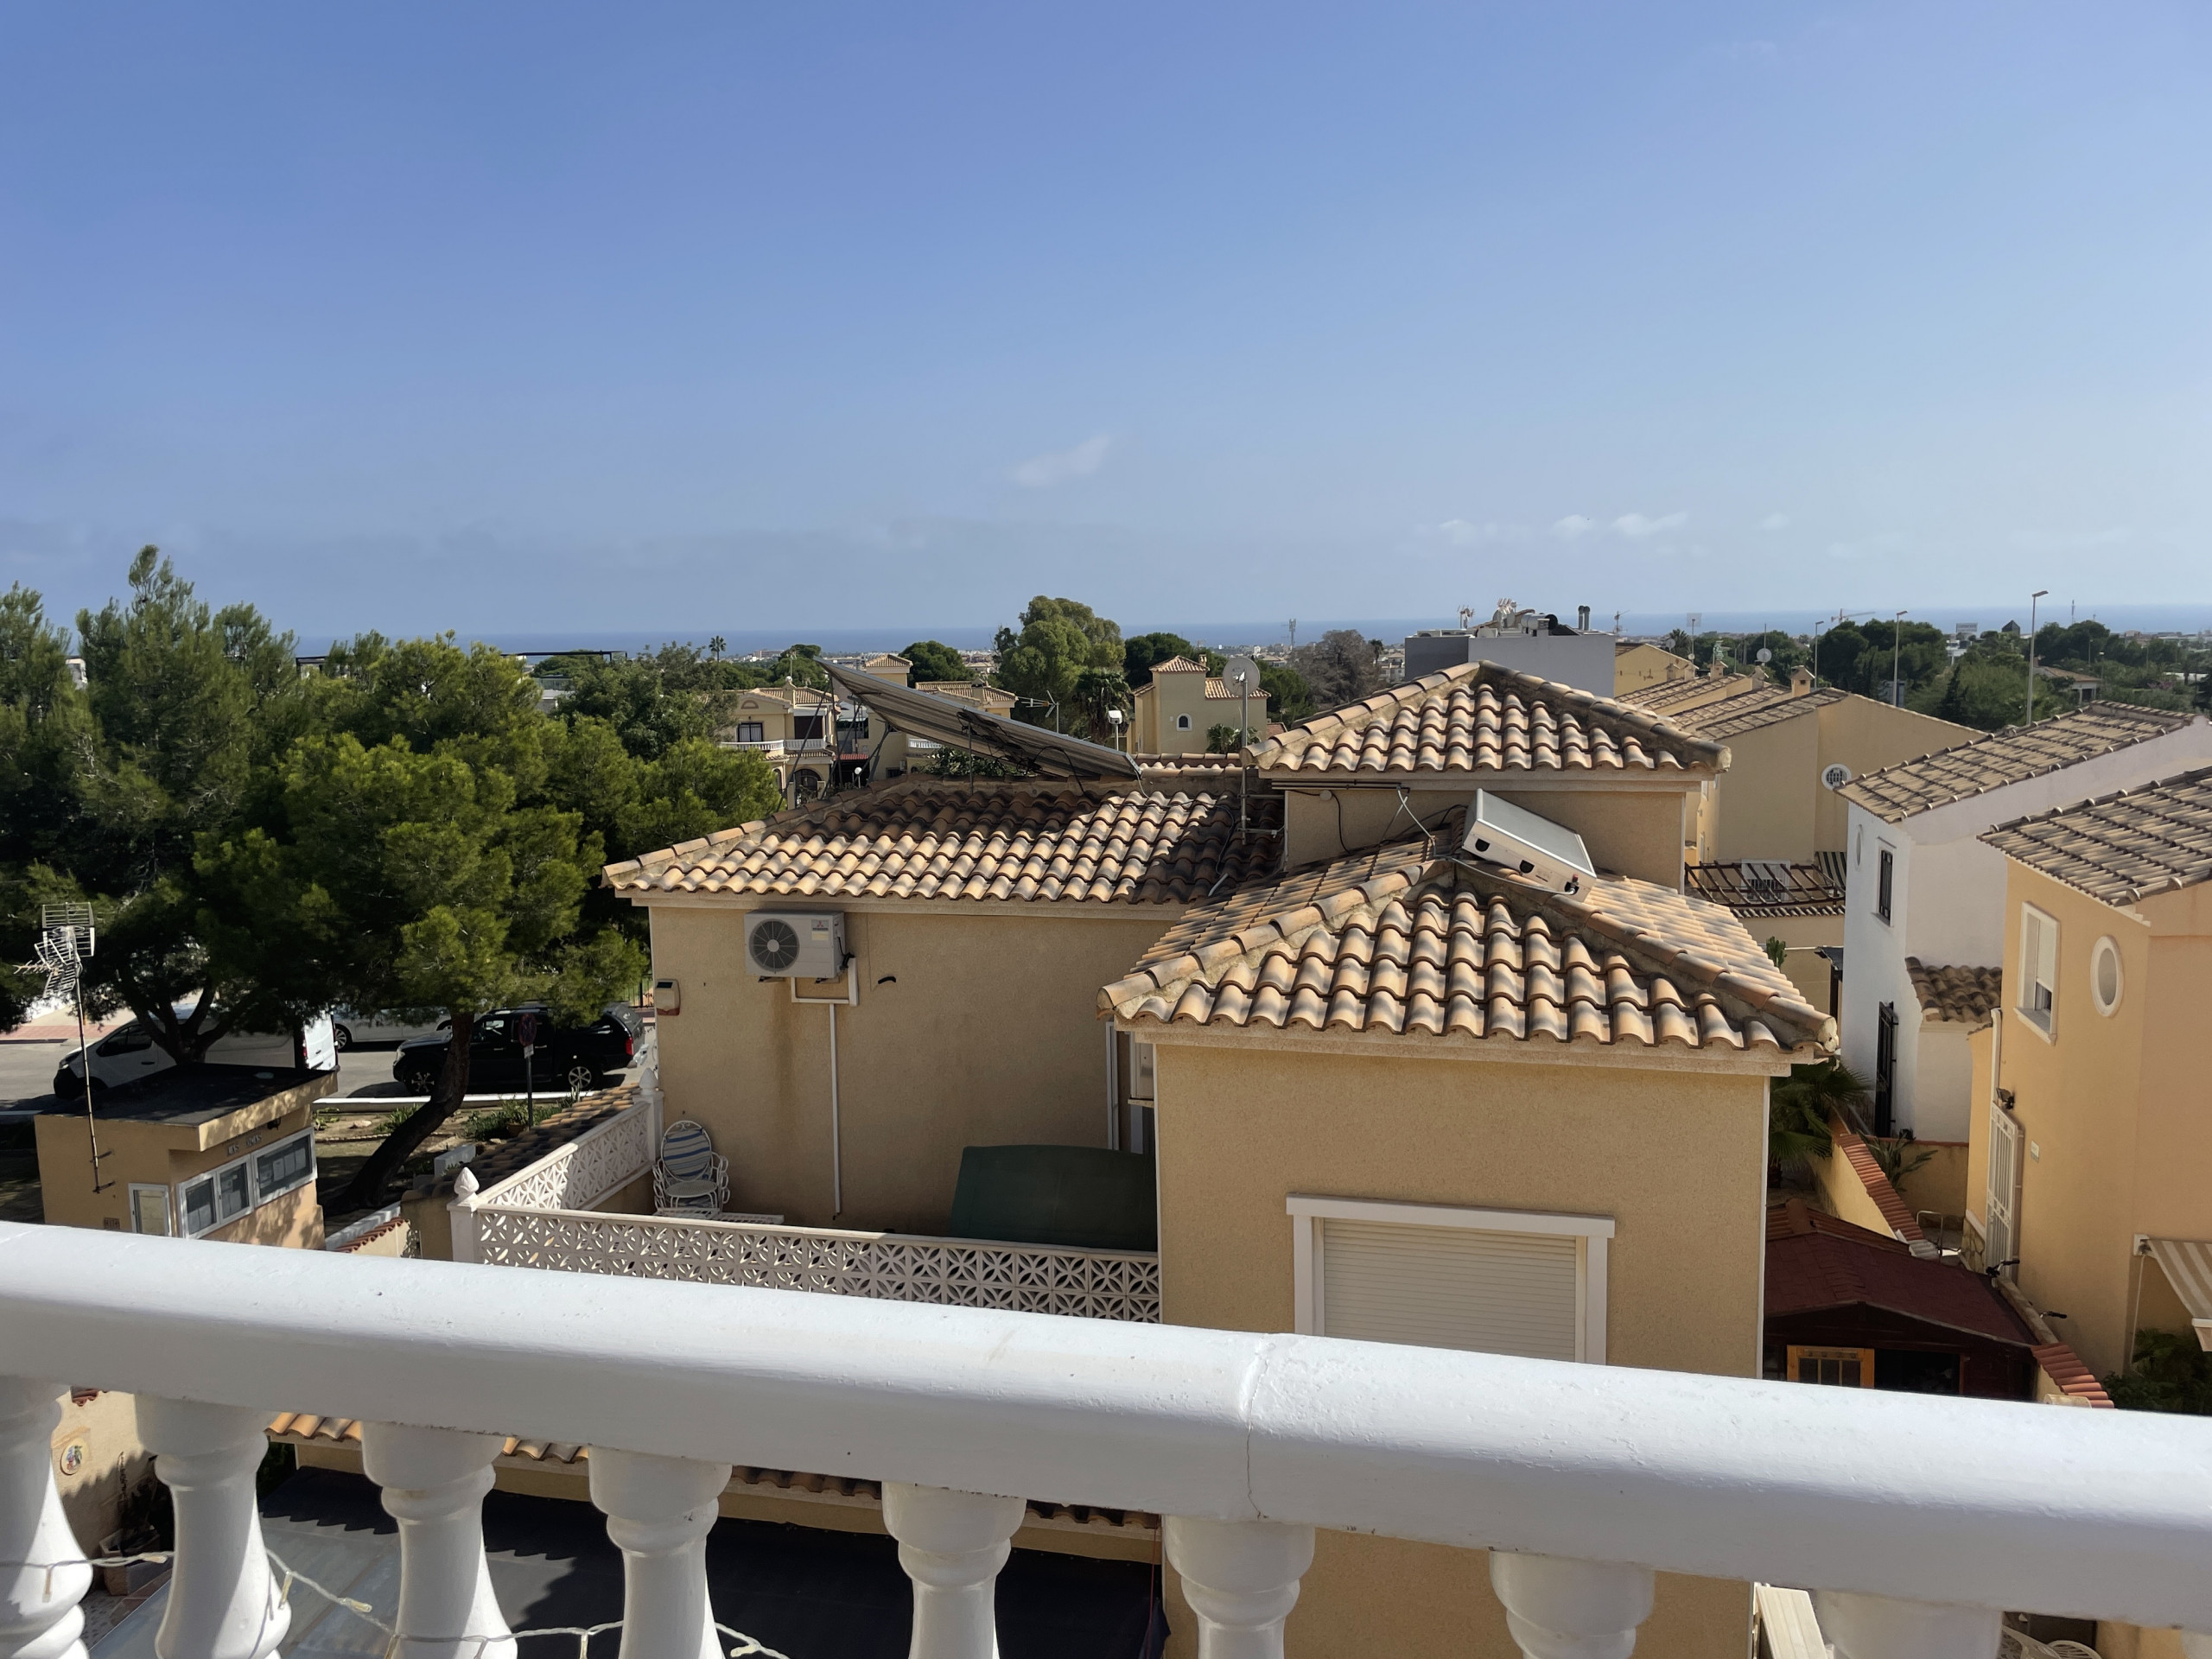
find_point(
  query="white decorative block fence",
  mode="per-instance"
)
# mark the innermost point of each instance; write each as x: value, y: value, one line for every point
x: 887, y: 1267
x: 1912, y: 1520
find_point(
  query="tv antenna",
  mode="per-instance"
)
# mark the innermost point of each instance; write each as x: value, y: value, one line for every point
x: 67, y: 936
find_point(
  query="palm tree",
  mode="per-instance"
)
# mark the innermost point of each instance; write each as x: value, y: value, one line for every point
x: 1097, y: 690
x: 1798, y: 1110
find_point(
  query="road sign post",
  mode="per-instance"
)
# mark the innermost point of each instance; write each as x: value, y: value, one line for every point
x: 526, y: 1028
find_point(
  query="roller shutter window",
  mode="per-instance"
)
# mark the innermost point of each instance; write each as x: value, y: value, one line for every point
x: 1494, y: 1293
x: 2038, y: 968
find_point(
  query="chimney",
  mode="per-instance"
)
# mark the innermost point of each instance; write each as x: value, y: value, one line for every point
x: 1715, y: 667
x: 1800, y: 681
x: 1582, y: 619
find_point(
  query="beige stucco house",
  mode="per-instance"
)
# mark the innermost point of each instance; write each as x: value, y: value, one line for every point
x: 2091, y: 1158
x: 1386, y: 1092
x: 1174, y: 714
x: 1406, y: 1099
x: 1772, y: 830
x: 1638, y: 663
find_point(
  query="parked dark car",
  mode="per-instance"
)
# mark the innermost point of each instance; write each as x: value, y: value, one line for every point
x: 566, y: 1056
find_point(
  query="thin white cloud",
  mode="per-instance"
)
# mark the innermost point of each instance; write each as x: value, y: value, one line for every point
x: 1636, y: 527
x: 1775, y: 521
x: 1464, y: 532
x: 1574, y: 525
x: 1058, y: 465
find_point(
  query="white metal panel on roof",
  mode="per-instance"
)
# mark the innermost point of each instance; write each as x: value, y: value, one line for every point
x: 1491, y: 1292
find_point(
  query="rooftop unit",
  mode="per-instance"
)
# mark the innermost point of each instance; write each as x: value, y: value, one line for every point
x: 1517, y: 636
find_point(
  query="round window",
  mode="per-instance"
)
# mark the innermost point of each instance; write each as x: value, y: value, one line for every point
x: 2105, y: 981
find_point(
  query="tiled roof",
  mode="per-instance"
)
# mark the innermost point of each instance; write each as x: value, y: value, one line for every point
x: 1178, y: 665
x: 1772, y: 705
x: 2122, y: 847
x: 1479, y: 717
x: 1896, y: 793
x: 1401, y: 943
x: 927, y: 838
x: 1767, y: 889
x: 1894, y: 1209
x: 2064, y: 1367
x: 1815, y: 1262
x: 1962, y: 994
x: 1693, y: 688
x: 1218, y: 689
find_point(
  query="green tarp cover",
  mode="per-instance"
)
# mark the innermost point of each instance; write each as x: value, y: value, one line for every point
x: 1057, y: 1195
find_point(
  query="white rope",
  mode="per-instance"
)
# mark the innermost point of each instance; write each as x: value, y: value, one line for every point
x: 748, y: 1647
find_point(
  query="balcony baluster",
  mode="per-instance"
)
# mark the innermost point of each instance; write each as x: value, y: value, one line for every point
x: 39, y: 1615
x: 659, y: 1513
x: 434, y: 1484
x: 1562, y: 1609
x: 1241, y: 1578
x: 223, y: 1603
x: 953, y: 1545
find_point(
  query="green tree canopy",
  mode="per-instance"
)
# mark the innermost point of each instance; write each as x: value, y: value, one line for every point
x: 1988, y: 690
x: 1289, y: 698
x: 1339, y: 668
x: 1059, y: 639
x: 110, y: 788
x: 412, y: 855
x: 934, y: 661
x: 1140, y: 651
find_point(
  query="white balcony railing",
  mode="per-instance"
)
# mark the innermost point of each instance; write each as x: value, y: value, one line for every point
x: 1912, y: 1520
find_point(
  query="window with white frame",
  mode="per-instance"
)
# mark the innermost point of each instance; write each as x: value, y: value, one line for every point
x: 2038, y: 999
x: 1496, y: 1281
x: 1182, y: 722
x: 219, y: 1196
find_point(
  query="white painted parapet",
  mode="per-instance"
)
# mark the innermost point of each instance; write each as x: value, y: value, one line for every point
x: 434, y: 1484
x: 1913, y: 1519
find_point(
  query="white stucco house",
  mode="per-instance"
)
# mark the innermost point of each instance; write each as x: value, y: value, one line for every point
x: 1922, y: 891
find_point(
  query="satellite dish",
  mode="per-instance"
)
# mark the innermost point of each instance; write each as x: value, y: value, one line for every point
x: 1765, y: 656
x: 1245, y: 666
x: 1834, y: 775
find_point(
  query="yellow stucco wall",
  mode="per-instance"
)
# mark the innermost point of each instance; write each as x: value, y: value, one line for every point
x: 1647, y: 664
x: 134, y: 1150
x: 1763, y: 806
x: 101, y: 1437
x: 2112, y: 1109
x: 1628, y: 831
x: 1867, y: 735
x: 988, y: 1036
x: 1168, y: 697
x: 1677, y: 1159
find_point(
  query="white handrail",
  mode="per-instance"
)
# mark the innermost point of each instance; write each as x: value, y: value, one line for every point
x: 2087, y: 1514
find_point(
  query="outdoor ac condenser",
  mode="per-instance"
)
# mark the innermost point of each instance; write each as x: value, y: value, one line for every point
x: 795, y: 944
x: 1499, y: 832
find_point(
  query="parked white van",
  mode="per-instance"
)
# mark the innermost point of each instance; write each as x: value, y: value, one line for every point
x: 130, y: 1053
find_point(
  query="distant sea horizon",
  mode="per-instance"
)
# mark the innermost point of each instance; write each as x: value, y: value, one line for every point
x: 740, y: 642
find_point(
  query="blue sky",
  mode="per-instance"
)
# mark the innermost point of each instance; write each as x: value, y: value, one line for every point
x: 747, y: 316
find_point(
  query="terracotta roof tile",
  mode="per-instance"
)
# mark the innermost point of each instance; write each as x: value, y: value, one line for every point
x: 1814, y: 1262
x: 1178, y: 665
x: 1772, y: 706
x: 1766, y: 889
x: 1962, y: 995
x: 1399, y: 942
x: 929, y: 839
x: 2122, y: 847
x: 1896, y: 793
x: 1478, y: 718
x: 2064, y: 1367
x: 1894, y: 1209
x: 1696, y: 689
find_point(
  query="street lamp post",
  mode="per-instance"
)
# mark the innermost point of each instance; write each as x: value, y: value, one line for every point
x: 2032, y: 598
x: 1897, y: 649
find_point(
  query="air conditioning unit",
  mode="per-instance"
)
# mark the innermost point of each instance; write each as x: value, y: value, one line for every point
x: 1499, y: 832
x: 795, y: 944
x: 1834, y: 775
